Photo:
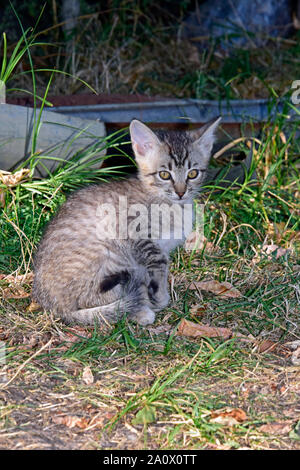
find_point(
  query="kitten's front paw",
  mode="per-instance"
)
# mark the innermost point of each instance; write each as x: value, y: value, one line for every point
x: 159, y: 302
x: 144, y: 317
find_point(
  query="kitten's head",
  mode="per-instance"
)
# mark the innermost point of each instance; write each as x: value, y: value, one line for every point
x: 173, y: 164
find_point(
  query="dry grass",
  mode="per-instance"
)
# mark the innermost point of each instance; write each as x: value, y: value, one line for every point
x: 152, y: 57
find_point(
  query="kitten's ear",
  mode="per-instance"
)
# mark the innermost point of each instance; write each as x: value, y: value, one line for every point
x: 142, y: 138
x: 205, y: 137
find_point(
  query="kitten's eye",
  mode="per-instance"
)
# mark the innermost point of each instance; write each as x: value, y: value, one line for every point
x: 192, y: 174
x: 164, y: 175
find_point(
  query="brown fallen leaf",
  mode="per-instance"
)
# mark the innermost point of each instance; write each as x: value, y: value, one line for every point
x: 266, y: 346
x: 223, y: 289
x: 16, y: 292
x: 33, y: 307
x: 96, y: 421
x: 198, y: 311
x: 279, y: 428
x: 277, y: 250
x: 99, y: 419
x: 195, y: 330
x: 12, y: 179
x: 87, y: 376
x: 228, y: 416
x: 269, y: 251
x: 71, y: 421
x: 74, y: 334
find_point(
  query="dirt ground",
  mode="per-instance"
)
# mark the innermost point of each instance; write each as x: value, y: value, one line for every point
x: 57, y: 403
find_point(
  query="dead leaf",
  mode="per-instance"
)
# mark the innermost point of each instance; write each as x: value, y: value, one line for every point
x: 99, y: 419
x: 195, y: 330
x: 75, y: 333
x: 17, y: 279
x: 33, y: 307
x: 228, y: 417
x: 87, y: 376
x: 12, y: 179
x: 266, y: 346
x: 223, y: 289
x: 197, y: 310
x: 16, y: 292
x: 71, y: 421
x: 279, y: 428
x: 277, y: 250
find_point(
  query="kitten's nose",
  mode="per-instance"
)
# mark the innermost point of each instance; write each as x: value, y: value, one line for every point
x: 180, y: 193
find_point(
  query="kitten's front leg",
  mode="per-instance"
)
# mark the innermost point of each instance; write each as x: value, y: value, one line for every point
x: 150, y: 255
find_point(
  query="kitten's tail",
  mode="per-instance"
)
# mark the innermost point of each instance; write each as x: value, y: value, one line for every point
x: 108, y: 314
x: 134, y: 301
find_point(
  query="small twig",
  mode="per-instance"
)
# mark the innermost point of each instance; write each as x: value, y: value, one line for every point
x: 289, y: 204
x: 224, y: 217
x: 233, y: 143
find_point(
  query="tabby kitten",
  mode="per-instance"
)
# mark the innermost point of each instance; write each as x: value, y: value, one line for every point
x: 97, y: 260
